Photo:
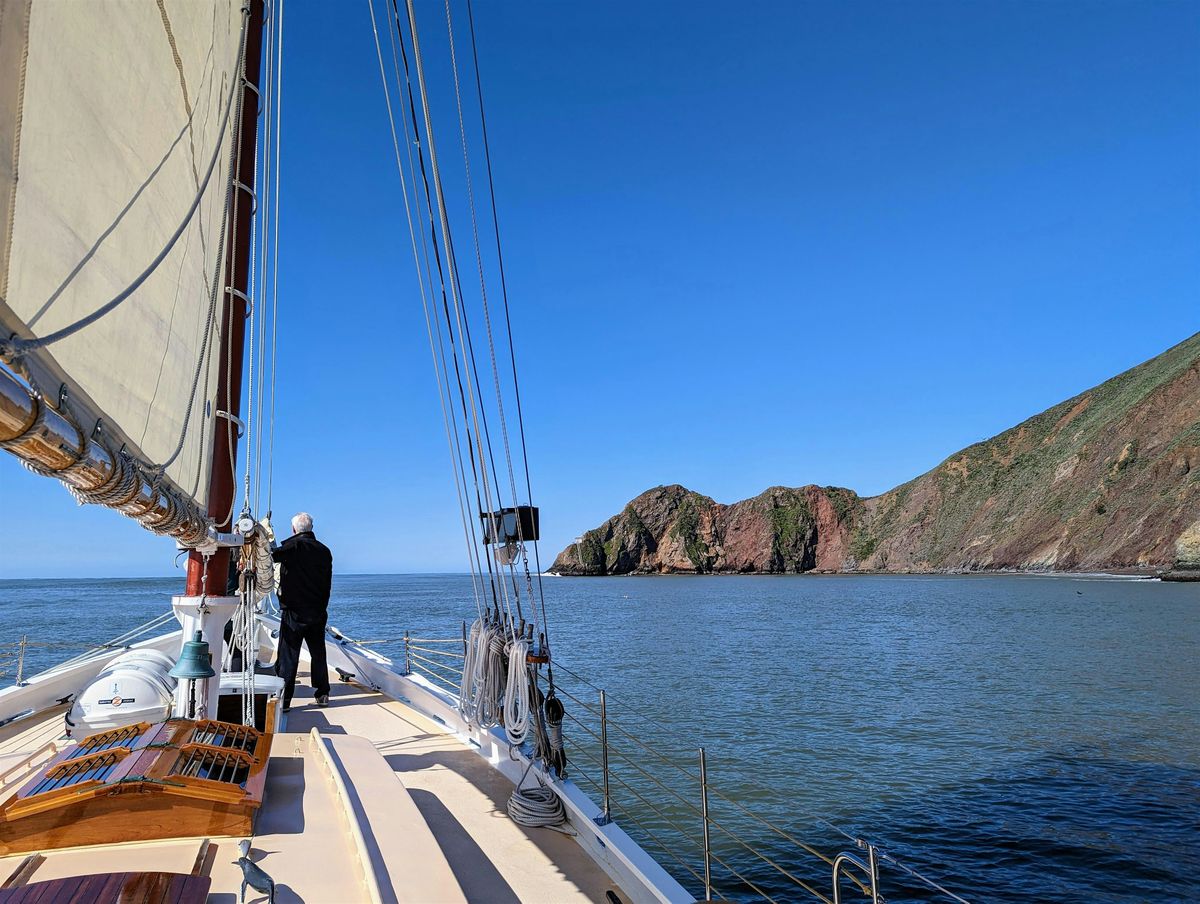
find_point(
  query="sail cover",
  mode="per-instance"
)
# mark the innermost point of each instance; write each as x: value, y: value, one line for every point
x: 109, y: 116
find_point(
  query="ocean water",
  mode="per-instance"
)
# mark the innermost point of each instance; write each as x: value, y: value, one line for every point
x: 1014, y: 738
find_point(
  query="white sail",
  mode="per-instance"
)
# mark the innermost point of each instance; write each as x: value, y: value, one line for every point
x: 110, y: 114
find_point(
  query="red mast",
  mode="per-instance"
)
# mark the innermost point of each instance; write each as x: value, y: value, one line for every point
x: 221, y: 486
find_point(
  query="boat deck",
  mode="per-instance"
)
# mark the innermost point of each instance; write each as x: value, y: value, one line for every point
x: 414, y: 807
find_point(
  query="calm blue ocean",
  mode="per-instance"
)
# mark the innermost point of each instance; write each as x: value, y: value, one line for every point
x: 1016, y: 738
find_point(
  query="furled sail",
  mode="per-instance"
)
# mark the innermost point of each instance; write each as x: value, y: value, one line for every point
x: 117, y: 129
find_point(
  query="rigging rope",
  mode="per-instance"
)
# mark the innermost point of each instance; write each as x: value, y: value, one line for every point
x: 487, y: 156
x: 487, y: 317
x: 440, y: 373
x: 275, y: 261
x: 472, y: 416
x: 476, y: 416
x: 498, y: 683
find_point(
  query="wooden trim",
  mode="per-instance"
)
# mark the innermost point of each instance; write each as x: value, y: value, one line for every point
x: 201, y: 866
x: 22, y: 873
x: 142, y: 798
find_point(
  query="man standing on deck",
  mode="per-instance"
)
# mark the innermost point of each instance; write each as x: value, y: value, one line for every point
x: 306, y: 574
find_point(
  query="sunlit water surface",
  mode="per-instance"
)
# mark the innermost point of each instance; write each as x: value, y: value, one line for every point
x: 1015, y: 738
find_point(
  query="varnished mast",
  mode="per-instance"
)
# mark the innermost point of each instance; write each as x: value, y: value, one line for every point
x: 222, y: 484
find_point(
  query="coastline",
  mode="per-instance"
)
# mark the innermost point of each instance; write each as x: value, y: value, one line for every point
x: 1127, y: 574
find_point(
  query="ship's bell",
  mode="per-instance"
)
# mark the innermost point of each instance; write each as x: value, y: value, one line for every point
x: 194, y: 662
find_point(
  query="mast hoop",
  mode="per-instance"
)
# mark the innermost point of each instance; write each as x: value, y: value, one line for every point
x: 230, y: 290
x: 233, y: 419
x: 250, y: 191
x: 246, y: 83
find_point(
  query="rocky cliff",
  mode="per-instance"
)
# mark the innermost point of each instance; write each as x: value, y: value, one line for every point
x: 671, y: 529
x: 1109, y: 479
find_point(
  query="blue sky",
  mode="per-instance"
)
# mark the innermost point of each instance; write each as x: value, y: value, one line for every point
x: 747, y: 244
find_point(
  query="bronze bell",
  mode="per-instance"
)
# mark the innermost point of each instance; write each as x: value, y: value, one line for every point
x: 194, y: 662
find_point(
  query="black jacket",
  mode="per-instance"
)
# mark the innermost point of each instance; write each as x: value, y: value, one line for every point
x: 305, y: 579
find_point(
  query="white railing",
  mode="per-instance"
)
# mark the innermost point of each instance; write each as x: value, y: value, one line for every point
x: 714, y: 844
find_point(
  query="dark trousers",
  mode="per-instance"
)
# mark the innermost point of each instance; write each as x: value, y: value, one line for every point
x: 291, y: 635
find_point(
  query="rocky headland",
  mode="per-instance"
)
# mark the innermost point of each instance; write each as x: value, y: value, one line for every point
x: 1108, y: 480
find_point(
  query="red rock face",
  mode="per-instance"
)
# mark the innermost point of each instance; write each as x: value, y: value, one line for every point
x: 1107, y: 480
x: 1103, y: 481
x: 672, y: 530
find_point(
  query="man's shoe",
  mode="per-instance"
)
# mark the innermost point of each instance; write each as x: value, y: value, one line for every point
x: 322, y: 699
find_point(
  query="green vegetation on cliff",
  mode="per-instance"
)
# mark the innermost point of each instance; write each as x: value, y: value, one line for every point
x: 1107, y: 479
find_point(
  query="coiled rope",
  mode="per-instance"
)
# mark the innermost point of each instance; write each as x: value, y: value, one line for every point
x: 484, y: 678
x: 516, y: 693
x: 537, y: 807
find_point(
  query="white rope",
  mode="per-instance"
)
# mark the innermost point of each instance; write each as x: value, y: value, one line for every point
x: 516, y: 693
x: 538, y: 807
x: 275, y: 260
x: 468, y: 688
x: 440, y: 371
x: 249, y: 627
x: 459, y: 309
x: 489, y: 672
x: 235, y: 638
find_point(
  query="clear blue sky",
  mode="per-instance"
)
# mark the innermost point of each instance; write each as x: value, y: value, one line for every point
x: 747, y: 244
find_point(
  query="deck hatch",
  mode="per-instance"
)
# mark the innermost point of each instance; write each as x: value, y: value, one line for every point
x: 100, y: 790
x: 120, y: 737
x: 214, y: 765
x: 78, y: 770
x: 222, y: 734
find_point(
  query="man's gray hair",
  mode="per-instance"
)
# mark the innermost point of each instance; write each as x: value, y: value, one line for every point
x: 301, y: 522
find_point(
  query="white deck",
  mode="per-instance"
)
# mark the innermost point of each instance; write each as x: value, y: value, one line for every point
x: 408, y: 781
